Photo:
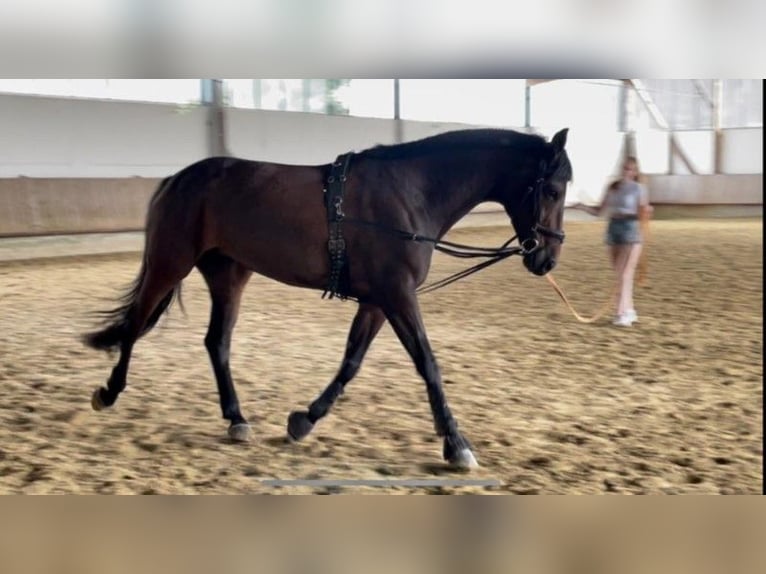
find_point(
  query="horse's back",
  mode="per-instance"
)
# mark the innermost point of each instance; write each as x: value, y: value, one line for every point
x: 270, y: 217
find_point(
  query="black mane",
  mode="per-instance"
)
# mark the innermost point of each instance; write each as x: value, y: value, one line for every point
x: 458, y: 139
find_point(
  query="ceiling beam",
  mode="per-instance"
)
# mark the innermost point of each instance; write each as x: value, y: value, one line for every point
x: 648, y: 101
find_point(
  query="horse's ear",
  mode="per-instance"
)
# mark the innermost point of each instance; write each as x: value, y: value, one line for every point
x: 560, y: 140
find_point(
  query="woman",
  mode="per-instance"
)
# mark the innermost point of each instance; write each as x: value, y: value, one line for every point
x: 626, y: 201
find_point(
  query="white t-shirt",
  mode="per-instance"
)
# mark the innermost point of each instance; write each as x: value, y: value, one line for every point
x: 625, y: 199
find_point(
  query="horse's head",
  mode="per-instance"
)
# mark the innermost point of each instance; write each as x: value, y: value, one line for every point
x: 537, y: 211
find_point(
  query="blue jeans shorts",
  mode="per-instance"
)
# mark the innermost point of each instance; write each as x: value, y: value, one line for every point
x: 623, y: 232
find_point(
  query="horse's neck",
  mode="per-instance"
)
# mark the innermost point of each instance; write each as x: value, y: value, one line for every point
x: 450, y: 202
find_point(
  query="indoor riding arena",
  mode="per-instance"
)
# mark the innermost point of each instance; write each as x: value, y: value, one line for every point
x: 670, y: 404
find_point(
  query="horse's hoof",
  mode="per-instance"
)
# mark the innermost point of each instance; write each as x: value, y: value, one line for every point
x: 97, y: 402
x: 298, y: 425
x: 464, y: 460
x: 240, y: 432
x: 457, y: 452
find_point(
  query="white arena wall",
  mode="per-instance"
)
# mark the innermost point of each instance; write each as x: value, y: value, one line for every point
x: 73, y: 165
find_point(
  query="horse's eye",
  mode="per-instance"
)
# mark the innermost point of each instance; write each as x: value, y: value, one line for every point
x: 553, y: 194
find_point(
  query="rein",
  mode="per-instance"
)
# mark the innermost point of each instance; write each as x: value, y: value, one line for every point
x: 641, y: 279
x: 492, y: 254
x: 604, y: 308
x: 643, y: 265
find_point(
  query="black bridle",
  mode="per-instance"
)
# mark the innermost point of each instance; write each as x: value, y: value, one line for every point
x: 536, y: 192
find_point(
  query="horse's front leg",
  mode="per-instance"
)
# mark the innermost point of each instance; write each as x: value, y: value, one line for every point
x: 367, y: 322
x: 403, y: 312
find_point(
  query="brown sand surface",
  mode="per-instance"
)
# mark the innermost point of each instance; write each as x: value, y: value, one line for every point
x: 671, y: 405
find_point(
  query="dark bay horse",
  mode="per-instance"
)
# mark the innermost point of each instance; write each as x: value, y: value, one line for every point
x: 232, y: 217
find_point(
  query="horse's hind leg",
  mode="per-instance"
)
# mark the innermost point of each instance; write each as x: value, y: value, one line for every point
x: 151, y: 300
x: 366, y: 325
x: 226, y: 280
x: 404, y: 315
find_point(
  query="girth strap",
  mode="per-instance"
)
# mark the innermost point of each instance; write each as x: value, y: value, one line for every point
x: 336, y: 245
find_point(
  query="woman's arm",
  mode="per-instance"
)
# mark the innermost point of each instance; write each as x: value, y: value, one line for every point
x: 593, y: 210
x: 586, y: 208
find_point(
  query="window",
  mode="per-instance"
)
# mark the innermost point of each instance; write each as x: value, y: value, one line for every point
x: 742, y: 104
x: 483, y: 102
x: 684, y: 104
x: 166, y: 91
x: 594, y: 104
x: 366, y: 98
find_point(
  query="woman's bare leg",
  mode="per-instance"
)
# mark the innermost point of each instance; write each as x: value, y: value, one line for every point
x: 620, y: 261
x: 628, y: 274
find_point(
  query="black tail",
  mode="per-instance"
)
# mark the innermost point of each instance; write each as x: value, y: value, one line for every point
x: 112, y: 335
x: 116, y: 320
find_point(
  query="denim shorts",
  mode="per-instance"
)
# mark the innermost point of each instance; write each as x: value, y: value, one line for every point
x: 623, y: 232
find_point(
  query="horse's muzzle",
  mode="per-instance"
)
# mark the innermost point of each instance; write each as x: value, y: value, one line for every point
x: 539, y: 262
